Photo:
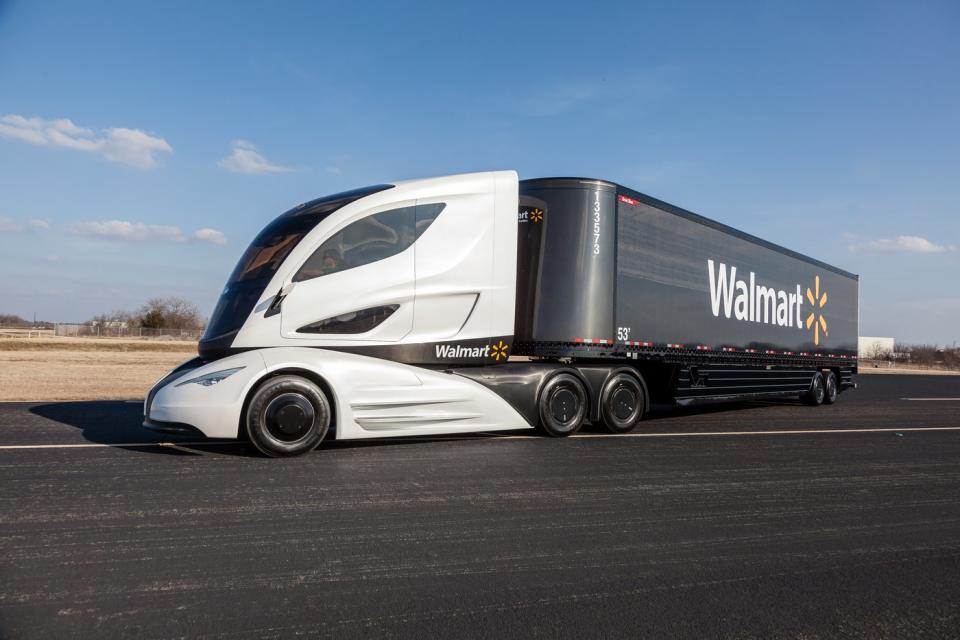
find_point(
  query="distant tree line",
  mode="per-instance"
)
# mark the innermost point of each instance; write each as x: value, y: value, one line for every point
x: 921, y: 355
x: 156, y: 313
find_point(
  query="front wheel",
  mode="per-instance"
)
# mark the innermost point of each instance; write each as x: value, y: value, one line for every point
x: 562, y: 405
x: 287, y: 416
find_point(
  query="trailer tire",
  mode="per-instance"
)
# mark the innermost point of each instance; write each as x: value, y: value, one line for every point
x: 287, y: 416
x: 814, y: 395
x: 831, y: 391
x: 622, y: 403
x: 562, y: 405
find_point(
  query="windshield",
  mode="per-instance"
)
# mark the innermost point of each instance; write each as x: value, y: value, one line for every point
x: 263, y: 257
x: 268, y: 250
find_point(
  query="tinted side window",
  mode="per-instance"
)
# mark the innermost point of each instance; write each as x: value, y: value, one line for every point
x: 367, y: 240
x: 426, y: 214
x: 353, y: 322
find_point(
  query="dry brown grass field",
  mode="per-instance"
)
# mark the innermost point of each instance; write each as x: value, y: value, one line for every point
x: 85, y: 368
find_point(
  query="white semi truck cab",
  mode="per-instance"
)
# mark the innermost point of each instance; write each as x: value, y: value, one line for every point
x: 476, y: 303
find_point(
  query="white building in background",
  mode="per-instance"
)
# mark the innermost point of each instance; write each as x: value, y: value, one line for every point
x: 868, y: 347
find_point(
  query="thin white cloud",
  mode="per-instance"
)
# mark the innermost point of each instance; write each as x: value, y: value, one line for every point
x: 8, y: 225
x: 209, y: 235
x: 125, y: 230
x: 244, y: 158
x: 131, y: 147
x: 902, y: 244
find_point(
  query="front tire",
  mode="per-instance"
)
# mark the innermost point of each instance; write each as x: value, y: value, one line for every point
x: 621, y: 403
x: 831, y: 390
x: 562, y: 405
x: 815, y: 394
x: 287, y: 416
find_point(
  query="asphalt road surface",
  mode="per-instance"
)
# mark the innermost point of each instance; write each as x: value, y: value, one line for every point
x: 754, y: 520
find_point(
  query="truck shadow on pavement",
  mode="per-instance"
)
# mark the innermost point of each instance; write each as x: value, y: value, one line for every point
x: 118, y: 424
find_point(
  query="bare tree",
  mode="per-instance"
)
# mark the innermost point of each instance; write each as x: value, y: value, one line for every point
x: 878, y: 352
x: 170, y: 313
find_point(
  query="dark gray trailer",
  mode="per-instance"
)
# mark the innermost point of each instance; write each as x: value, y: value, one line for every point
x: 701, y: 311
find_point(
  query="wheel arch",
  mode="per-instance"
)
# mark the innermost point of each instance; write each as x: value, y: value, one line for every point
x: 303, y: 372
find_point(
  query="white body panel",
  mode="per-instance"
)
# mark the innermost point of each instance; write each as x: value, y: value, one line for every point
x: 373, y: 398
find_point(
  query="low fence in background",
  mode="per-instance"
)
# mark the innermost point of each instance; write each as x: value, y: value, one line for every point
x: 66, y: 330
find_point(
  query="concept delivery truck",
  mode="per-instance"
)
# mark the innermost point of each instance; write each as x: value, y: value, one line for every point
x: 478, y: 302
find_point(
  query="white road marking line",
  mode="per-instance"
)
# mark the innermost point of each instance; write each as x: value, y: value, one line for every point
x: 580, y: 436
x: 933, y: 399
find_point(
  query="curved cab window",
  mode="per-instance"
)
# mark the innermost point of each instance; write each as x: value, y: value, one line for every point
x: 369, y: 239
x: 353, y: 322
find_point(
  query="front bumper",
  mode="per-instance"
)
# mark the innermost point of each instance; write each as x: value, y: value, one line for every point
x: 172, y: 428
x: 192, y: 409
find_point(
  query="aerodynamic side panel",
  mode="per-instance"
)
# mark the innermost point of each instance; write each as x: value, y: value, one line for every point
x: 377, y: 398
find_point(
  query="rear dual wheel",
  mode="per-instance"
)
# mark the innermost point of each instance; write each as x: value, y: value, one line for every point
x: 563, y: 404
x: 824, y: 389
x: 287, y: 416
x: 622, y: 402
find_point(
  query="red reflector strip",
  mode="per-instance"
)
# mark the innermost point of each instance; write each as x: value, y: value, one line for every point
x: 592, y: 341
x: 804, y: 353
x: 750, y: 350
x: 703, y: 347
x: 671, y: 345
x: 788, y: 353
x: 627, y: 200
x: 769, y: 352
x: 729, y: 349
x: 639, y: 343
x: 843, y: 356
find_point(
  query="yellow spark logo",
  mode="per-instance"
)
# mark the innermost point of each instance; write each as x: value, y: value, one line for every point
x: 499, y: 351
x: 535, y: 215
x: 816, y: 316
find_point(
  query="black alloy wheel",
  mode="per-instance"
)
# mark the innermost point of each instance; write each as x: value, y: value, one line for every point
x: 288, y: 415
x: 831, y: 390
x: 622, y: 403
x: 562, y: 405
x: 815, y: 394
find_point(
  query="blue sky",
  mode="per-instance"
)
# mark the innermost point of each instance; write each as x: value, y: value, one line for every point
x: 143, y: 145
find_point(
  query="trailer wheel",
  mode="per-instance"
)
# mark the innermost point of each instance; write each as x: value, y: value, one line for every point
x: 830, y: 388
x: 815, y: 394
x: 621, y: 403
x: 562, y: 405
x: 287, y: 416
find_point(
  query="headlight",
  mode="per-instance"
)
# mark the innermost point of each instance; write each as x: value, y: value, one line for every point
x: 210, y: 379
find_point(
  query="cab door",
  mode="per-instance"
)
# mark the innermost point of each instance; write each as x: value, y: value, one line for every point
x: 358, y: 283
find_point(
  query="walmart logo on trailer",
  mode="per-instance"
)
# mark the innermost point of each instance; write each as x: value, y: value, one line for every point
x: 751, y: 301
